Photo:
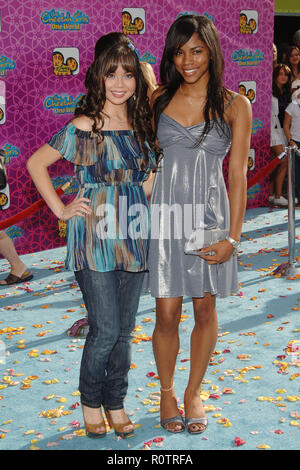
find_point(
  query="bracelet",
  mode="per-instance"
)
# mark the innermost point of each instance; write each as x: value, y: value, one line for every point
x: 236, y: 244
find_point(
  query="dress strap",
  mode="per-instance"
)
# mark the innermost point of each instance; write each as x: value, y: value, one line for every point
x: 230, y: 101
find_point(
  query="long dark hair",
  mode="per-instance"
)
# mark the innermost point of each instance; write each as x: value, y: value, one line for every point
x: 179, y: 33
x: 286, y: 89
x: 112, y: 50
x: 288, y: 55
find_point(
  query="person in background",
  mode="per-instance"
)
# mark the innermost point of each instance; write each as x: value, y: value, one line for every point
x: 291, y: 127
x: 296, y: 38
x: 18, y: 270
x: 281, y: 52
x: 293, y: 62
x: 275, y: 56
x: 281, y: 96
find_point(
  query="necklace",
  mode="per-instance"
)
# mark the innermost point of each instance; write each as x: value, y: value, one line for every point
x: 187, y: 97
x: 190, y: 100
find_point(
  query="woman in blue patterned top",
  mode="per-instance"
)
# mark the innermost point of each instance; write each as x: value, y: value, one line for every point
x: 111, y: 144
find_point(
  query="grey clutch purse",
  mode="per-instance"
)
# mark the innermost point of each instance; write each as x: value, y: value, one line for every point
x: 201, y: 238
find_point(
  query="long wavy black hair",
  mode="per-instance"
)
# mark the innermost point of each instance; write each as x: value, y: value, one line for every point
x: 179, y: 33
x: 112, y: 50
x: 287, y: 60
x: 286, y: 89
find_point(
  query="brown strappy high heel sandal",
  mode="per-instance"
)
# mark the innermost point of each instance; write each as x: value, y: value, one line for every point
x: 119, y: 427
x: 91, y: 429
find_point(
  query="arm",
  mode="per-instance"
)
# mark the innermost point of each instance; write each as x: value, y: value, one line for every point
x: 240, y: 119
x: 37, y: 166
x: 287, y: 127
x: 237, y: 174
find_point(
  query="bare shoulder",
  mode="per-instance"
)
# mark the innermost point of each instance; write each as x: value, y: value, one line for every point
x: 84, y: 123
x: 238, y: 106
x: 240, y: 103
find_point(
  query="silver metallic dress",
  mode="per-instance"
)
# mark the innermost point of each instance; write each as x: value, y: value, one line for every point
x: 190, y: 176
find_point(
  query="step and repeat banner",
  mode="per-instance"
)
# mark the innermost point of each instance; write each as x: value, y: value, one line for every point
x: 45, y: 49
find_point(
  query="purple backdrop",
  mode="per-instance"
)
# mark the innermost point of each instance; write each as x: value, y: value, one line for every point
x: 45, y: 49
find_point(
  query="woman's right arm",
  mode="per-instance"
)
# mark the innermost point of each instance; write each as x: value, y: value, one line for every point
x: 287, y: 127
x: 37, y: 166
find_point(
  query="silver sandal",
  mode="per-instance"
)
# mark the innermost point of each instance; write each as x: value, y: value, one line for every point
x: 189, y: 421
x: 177, y: 419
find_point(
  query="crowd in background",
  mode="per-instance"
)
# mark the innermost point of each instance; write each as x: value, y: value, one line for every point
x: 285, y: 119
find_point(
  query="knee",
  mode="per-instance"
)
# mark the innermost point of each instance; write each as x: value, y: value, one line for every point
x: 205, y: 317
x: 103, y: 339
x: 167, y: 323
x: 283, y: 164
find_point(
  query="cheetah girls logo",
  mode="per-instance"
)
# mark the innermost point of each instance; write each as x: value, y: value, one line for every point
x: 6, y: 64
x: 256, y: 126
x: 63, y: 20
x: 62, y: 104
x: 210, y: 17
x: 254, y: 191
x: 146, y: 57
x: 247, y: 58
x: 10, y: 152
x: 59, y: 181
x: 2, y: 102
x: 14, y: 232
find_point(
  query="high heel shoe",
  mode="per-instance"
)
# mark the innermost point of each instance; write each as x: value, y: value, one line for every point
x: 178, y: 419
x: 119, y: 427
x: 195, y: 425
x: 91, y: 429
x: 198, y: 421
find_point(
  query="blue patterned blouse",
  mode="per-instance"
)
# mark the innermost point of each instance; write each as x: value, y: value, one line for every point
x: 116, y: 235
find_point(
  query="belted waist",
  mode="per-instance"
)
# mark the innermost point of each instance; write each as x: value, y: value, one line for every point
x: 110, y: 183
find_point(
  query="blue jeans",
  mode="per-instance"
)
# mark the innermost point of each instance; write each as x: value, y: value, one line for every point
x: 111, y: 299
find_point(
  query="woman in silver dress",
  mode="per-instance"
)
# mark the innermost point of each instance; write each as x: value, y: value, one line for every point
x: 197, y: 121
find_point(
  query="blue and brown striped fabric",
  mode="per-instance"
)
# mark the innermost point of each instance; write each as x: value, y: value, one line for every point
x: 116, y: 235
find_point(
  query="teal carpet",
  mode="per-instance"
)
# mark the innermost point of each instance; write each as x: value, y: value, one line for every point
x: 251, y: 389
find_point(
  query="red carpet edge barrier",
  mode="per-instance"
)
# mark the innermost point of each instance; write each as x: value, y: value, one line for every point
x: 265, y: 171
x: 30, y: 210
